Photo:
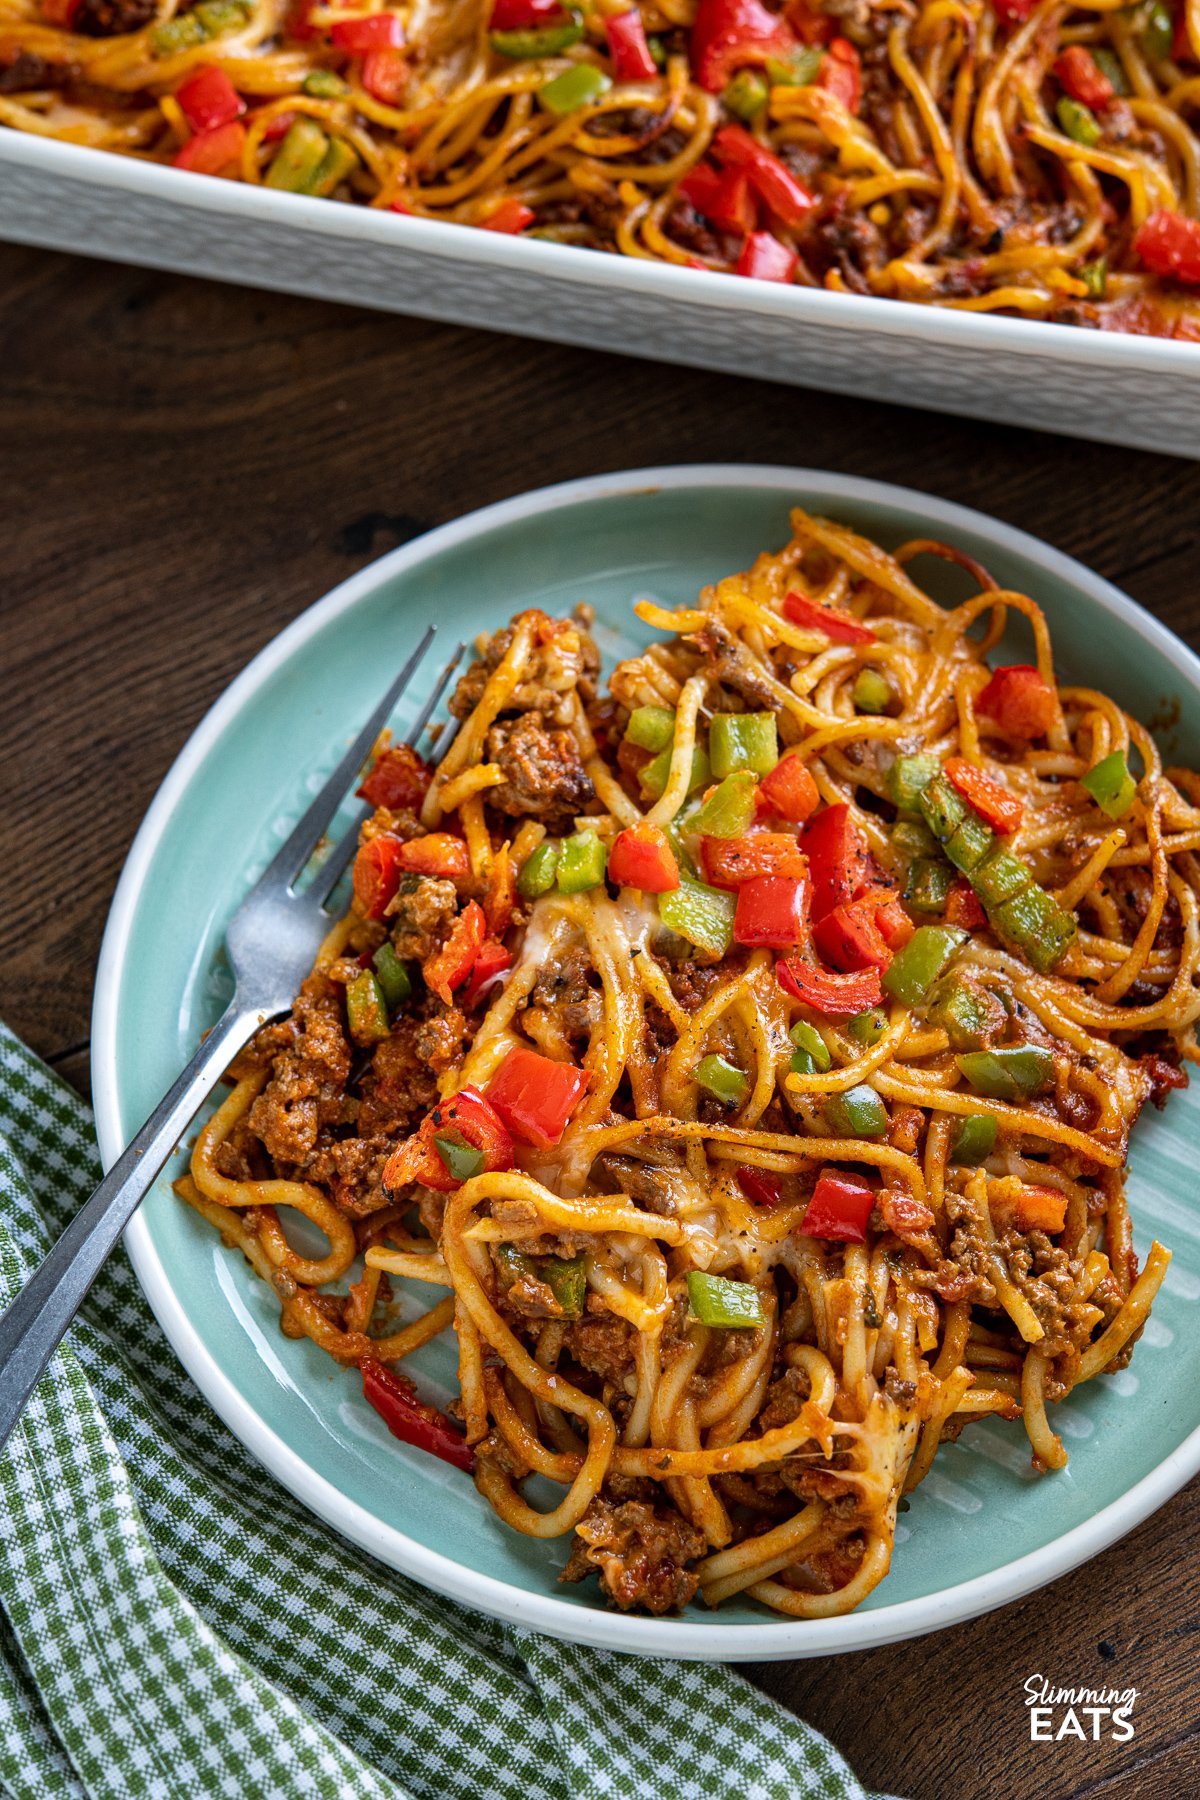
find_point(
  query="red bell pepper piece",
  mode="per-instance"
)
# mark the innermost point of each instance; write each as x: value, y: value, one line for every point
x: 61, y: 13
x: 837, y: 858
x: 837, y: 996
x: 628, y: 48
x: 760, y: 1187
x: 727, y: 862
x: 385, y: 75
x: 790, y: 789
x: 209, y: 98
x: 467, y: 1115
x: 1169, y: 245
x: 964, y: 907
x: 840, y: 73
x: 524, y: 15
x: 1016, y: 696
x: 787, y: 197
x: 437, y: 853
x: 764, y: 258
x: 839, y: 1209
x: 212, y: 152
x: 399, y: 780
x: 1181, y: 45
x: 511, y: 217
x: 535, y: 1096
x: 841, y: 626
x: 375, y: 31
x: 277, y: 126
x: 408, y: 1418
x: 1081, y: 76
x: 641, y: 857
x: 810, y: 26
x: 992, y: 801
x: 728, y: 34
x: 772, y: 912
x: 723, y: 197
x: 448, y: 967
x: 893, y: 922
x: 1013, y: 12
x: 377, y: 874
x: 490, y: 964
x: 849, y: 937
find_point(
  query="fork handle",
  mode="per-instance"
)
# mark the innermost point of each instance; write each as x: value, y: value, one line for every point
x: 31, y: 1328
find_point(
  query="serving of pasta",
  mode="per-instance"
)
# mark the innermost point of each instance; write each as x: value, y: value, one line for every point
x: 1031, y: 157
x: 741, y: 1056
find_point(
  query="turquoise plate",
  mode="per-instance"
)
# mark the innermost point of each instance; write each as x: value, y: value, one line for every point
x: 981, y: 1529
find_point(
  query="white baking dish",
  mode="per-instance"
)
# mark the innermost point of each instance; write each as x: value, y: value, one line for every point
x: 1125, y: 390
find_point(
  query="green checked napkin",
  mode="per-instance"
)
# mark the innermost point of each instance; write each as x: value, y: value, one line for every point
x: 174, y: 1624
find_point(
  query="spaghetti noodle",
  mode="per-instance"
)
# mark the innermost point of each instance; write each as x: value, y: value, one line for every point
x: 748, y: 1055
x: 1030, y: 157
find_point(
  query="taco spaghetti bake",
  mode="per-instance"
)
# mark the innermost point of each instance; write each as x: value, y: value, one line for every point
x: 744, y: 1057
x: 1033, y: 157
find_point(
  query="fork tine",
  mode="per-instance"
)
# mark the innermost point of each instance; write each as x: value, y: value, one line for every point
x: 330, y: 871
x: 306, y: 834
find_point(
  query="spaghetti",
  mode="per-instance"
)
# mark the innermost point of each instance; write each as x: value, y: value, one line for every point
x: 745, y: 1058
x: 1029, y: 157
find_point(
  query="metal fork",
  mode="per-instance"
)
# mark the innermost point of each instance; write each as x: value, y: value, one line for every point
x: 272, y: 941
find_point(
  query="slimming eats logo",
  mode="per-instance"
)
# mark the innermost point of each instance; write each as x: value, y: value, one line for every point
x: 1090, y: 1714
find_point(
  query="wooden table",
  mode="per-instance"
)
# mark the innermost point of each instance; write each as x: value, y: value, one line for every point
x: 188, y: 466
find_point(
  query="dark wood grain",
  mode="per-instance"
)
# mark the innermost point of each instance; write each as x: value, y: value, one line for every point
x: 187, y: 466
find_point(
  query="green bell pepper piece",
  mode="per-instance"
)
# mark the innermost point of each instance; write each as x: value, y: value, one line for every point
x: 797, y: 70
x: 746, y: 95
x: 999, y: 876
x: 538, y: 871
x: 1012, y: 1072
x: 858, y: 1113
x: 462, y: 1160
x: 366, y: 1009
x: 323, y: 84
x: 942, y: 808
x: 930, y: 879
x: 1110, y: 64
x: 582, y: 861
x: 912, y: 838
x: 566, y: 1277
x: 1094, y: 276
x: 742, y: 741
x: 723, y: 1080
x: 1111, y: 785
x: 575, y: 87
x: 336, y: 164
x: 1078, y: 121
x: 654, y: 776
x: 729, y: 810
x: 534, y: 41
x: 1039, y: 927
x: 651, y: 728
x: 221, y: 16
x: 973, y: 1138
x: 871, y: 692
x: 178, y: 34
x: 393, y: 976
x: 1157, y: 36
x: 913, y: 970
x: 299, y: 157
x: 962, y: 1013
x: 908, y: 778
x: 809, y: 1041
x: 969, y: 843
x: 701, y: 914
x: 866, y: 1028
x: 728, y: 1305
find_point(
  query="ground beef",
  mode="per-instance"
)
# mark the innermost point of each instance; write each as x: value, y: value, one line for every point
x: 400, y: 1086
x: 784, y: 1399
x: 30, y: 71
x: 421, y: 912
x: 112, y: 18
x: 652, y: 1187
x: 734, y: 666
x: 1047, y: 1278
x: 306, y: 1089
x: 543, y: 775
x: 440, y: 1038
x: 641, y: 1552
x: 1164, y: 1078
x: 563, y: 986
x: 691, y: 983
x: 563, y: 660
x: 604, y: 1344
